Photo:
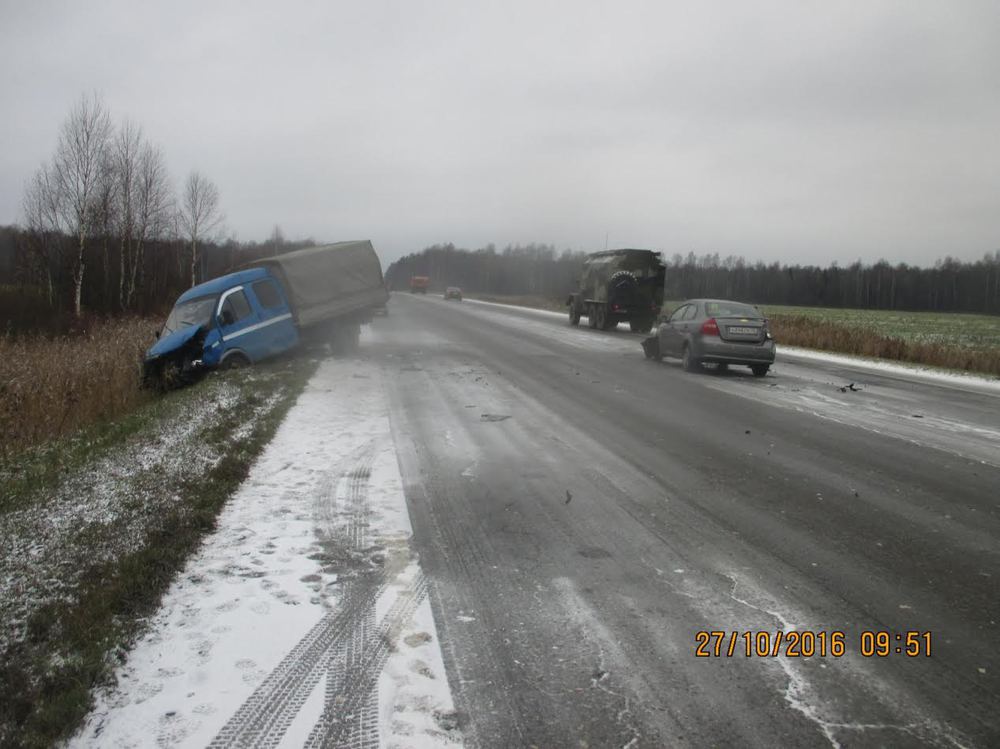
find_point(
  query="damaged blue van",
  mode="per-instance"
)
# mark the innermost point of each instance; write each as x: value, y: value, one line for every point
x: 262, y: 310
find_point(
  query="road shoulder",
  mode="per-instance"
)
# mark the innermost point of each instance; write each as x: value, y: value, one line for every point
x: 304, y: 619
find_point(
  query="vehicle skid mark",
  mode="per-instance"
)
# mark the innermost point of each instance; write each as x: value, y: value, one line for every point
x: 345, y: 645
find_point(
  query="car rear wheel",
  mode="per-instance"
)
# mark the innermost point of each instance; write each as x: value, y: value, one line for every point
x: 759, y: 370
x: 688, y: 361
x: 651, y: 348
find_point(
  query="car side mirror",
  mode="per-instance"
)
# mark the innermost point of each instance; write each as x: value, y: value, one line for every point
x: 226, y: 317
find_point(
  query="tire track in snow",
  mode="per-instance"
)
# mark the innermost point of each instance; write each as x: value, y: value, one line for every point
x: 359, y: 684
x: 362, y: 725
x: 337, y: 642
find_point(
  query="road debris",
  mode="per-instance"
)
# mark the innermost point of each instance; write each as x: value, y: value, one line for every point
x: 493, y: 417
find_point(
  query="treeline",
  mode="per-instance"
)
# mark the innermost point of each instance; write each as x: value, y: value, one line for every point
x: 105, y: 232
x: 39, y: 297
x: 536, y: 269
x: 949, y: 286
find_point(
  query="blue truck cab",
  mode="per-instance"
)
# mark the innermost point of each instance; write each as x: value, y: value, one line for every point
x: 237, y: 319
x: 264, y: 308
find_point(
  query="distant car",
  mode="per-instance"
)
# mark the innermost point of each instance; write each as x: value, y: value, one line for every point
x: 714, y: 331
x: 453, y: 292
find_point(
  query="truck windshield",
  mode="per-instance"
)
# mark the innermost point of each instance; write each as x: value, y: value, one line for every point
x: 192, y: 312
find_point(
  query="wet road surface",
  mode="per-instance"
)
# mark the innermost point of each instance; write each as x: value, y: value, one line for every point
x: 582, y: 514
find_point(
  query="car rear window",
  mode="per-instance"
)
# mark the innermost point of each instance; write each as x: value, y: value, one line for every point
x: 730, y: 309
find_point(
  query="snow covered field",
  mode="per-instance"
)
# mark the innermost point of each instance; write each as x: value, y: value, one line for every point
x: 303, y: 620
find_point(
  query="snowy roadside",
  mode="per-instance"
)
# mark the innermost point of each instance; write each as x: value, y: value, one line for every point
x: 303, y: 620
x: 94, y: 527
x: 947, y: 377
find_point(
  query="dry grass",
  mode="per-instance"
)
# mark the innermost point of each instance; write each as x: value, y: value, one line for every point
x: 800, y: 330
x: 51, y: 386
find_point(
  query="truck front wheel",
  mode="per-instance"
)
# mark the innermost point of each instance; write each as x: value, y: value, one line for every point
x: 235, y: 361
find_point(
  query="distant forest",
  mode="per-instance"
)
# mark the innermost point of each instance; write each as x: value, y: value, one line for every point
x: 536, y: 269
x: 37, y: 289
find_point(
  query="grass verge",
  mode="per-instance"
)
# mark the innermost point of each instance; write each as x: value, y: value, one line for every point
x: 809, y: 332
x: 967, y: 343
x: 92, y: 545
x: 52, y: 386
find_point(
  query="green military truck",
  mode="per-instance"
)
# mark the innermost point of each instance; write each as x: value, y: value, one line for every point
x: 619, y: 286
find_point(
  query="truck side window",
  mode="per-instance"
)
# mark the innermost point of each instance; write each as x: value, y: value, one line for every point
x: 267, y: 295
x: 237, y: 305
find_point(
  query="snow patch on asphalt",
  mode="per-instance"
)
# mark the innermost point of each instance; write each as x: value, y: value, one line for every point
x: 305, y: 611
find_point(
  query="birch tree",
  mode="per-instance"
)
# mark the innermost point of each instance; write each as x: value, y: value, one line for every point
x: 153, y: 206
x: 125, y: 161
x: 42, y: 214
x: 80, y: 164
x: 199, y: 214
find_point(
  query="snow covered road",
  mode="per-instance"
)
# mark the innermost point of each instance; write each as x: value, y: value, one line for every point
x: 304, y: 619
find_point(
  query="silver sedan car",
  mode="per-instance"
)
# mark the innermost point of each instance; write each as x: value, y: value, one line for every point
x: 715, y: 331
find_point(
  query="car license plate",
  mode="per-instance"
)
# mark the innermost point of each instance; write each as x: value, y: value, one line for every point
x: 738, y: 330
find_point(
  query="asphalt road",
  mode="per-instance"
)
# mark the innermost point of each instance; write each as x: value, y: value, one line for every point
x: 582, y: 513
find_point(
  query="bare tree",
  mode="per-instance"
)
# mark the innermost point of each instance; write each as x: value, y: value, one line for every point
x: 80, y: 165
x: 42, y: 213
x: 105, y: 221
x: 277, y: 240
x: 125, y: 159
x: 199, y: 214
x: 153, y: 206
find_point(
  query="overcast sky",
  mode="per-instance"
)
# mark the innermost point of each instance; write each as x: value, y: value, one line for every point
x: 796, y: 131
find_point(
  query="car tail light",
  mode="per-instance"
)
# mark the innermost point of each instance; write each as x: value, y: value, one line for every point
x: 710, y: 327
x: 615, y: 307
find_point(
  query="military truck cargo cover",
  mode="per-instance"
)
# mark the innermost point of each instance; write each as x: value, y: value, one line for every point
x: 619, y: 286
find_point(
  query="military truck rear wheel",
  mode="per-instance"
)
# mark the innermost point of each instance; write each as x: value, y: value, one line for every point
x: 600, y: 317
x: 574, y: 315
x: 643, y: 325
x: 592, y: 315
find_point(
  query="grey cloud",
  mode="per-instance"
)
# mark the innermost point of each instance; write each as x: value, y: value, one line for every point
x: 778, y: 130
